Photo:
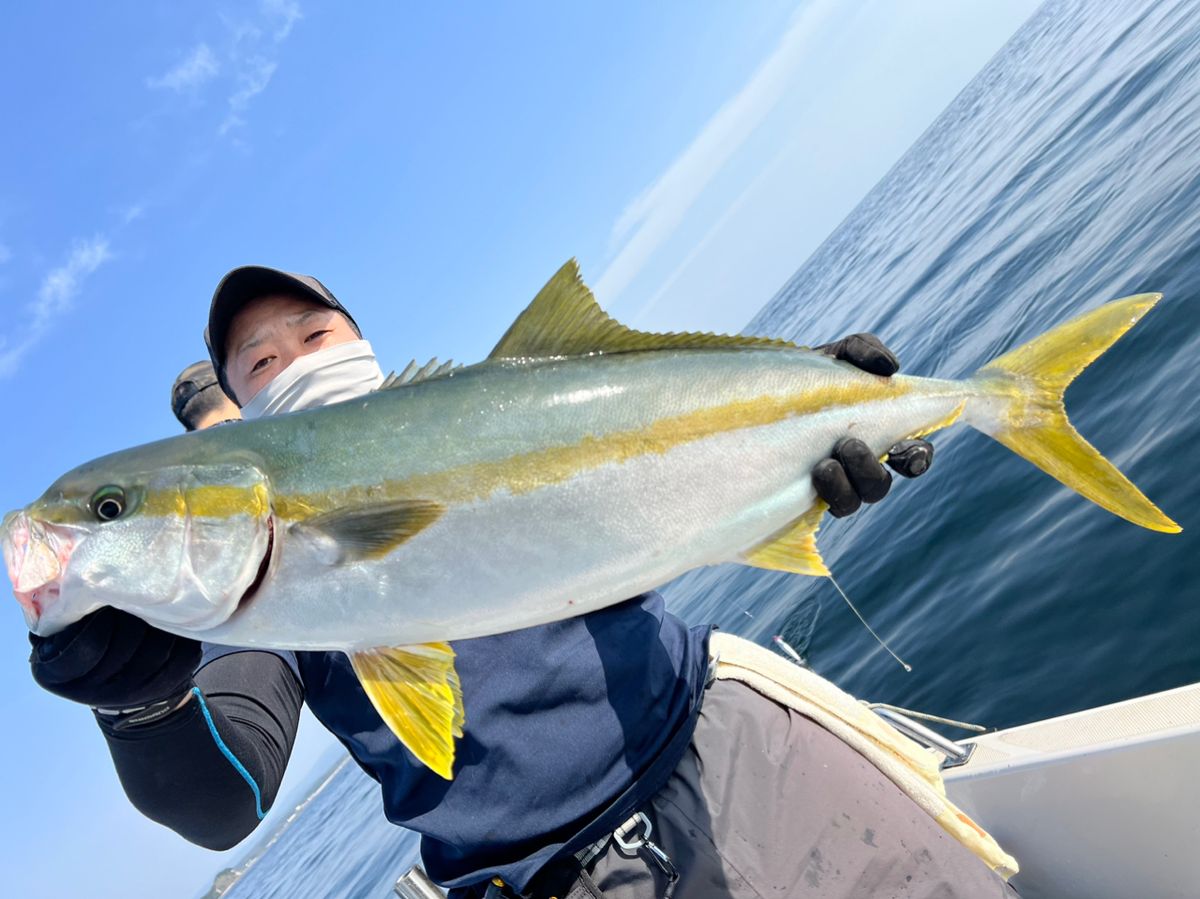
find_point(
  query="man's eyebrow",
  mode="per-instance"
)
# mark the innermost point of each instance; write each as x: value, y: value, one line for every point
x: 292, y: 321
x: 249, y: 343
x: 295, y: 321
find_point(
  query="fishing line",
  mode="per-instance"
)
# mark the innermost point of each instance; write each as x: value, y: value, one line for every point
x: 878, y: 639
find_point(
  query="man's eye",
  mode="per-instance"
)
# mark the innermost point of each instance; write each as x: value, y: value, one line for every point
x: 316, y: 334
x: 261, y: 364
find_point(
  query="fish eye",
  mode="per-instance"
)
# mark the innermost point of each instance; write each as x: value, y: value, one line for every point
x: 108, y: 503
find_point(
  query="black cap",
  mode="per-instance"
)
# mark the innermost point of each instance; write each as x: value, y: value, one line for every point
x: 247, y: 283
x: 196, y: 377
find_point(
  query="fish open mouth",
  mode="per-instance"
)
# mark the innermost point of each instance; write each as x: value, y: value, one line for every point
x: 263, y: 567
x: 35, y: 556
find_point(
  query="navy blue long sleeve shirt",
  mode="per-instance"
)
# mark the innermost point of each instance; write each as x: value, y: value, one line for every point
x: 570, y: 727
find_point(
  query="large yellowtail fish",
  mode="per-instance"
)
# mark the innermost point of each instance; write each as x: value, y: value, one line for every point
x: 582, y: 463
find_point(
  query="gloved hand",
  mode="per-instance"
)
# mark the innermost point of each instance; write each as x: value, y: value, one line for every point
x: 853, y: 476
x: 113, y: 660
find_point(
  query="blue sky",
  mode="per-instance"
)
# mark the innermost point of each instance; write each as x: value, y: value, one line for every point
x: 433, y: 165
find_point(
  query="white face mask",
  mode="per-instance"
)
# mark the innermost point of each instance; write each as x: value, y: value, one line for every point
x: 341, y: 372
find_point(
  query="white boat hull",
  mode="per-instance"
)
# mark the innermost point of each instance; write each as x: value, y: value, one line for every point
x: 1100, y: 804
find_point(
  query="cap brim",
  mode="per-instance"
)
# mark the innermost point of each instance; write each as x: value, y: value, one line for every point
x: 248, y: 283
x: 196, y: 377
x: 241, y: 286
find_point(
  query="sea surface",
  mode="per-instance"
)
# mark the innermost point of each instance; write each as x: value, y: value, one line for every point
x: 1066, y: 174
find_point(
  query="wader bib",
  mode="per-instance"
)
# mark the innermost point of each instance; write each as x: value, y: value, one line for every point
x: 789, y: 787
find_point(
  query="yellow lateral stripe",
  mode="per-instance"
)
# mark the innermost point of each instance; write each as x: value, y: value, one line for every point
x: 207, y: 501
x: 202, y: 501
x: 518, y: 474
x: 530, y: 471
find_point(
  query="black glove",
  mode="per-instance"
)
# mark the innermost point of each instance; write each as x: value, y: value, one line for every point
x: 853, y: 476
x: 865, y: 351
x: 114, y: 661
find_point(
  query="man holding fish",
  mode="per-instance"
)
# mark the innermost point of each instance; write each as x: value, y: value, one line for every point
x: 588, y: 751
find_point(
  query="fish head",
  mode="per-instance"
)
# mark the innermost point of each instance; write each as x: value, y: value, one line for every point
x: 178, y: 545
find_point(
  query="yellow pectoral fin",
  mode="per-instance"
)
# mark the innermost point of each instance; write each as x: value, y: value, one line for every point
x: 794, y: 548
x: 371, y: 531
x: 416, y: 691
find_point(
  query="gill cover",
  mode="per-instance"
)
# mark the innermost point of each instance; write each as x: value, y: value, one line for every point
x: 179, y: 548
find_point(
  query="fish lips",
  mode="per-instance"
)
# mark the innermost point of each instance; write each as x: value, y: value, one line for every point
x: 35, y: 555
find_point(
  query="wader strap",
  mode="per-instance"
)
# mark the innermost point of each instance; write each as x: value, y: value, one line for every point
x: 632, y: 838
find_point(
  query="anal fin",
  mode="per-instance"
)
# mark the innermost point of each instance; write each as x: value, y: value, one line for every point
x: 950, y: 419
x: 794, y: 548
x: 416, y: 691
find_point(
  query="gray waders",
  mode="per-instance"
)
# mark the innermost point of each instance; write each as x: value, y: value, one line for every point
x: 768, y: 804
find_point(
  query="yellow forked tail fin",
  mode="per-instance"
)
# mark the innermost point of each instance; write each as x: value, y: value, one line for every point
x: 1024, y: 409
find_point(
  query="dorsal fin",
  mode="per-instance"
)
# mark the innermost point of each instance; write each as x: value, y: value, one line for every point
x: 564, y: 319
x: 414, y: 374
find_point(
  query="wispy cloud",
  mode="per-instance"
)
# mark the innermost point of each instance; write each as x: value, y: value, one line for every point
x: 252, y: 81
x: 58, y: 290
x: 243, y: 64
x: 657, y: 212
x: 61, y: 285
x: 195, y: 69
x: 283, y: 15
x: 254, y: 49
x: 132, y: 213
x: 5, y: 254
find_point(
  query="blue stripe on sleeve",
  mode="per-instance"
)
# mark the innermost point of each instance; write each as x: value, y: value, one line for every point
x: 233, y: 759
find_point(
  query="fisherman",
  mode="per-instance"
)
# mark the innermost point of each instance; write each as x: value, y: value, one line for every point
x: 579, y: 729
x: 197, y: 400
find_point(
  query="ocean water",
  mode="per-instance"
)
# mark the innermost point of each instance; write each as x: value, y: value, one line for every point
x: 1066, y: 174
